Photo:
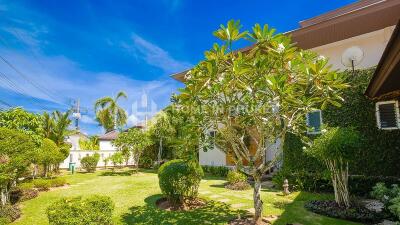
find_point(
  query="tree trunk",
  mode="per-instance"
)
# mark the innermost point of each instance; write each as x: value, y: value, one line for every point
x: 35, y: 171
x: 339, y: 174
x: 258, y: 204
x: 160, y: 151
x: 4, y: 195
x: 45, y: 168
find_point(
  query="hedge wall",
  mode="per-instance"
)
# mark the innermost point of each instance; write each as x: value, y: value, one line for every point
x: 380, y: 155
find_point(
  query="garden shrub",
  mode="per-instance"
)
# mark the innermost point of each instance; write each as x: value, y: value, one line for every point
x: 179, y: 179
x: 237, y: 181
x: 394, y: 207
x: 219, y: 171
x: 96, y: 210
x: 42, y: 184
x: 89, y: 163
x: 57, y: 182
x: 26, y: 185
x: 235, y: 177
x: 9, y: 212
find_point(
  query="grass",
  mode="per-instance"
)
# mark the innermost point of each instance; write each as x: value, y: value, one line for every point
x: 134, y: 196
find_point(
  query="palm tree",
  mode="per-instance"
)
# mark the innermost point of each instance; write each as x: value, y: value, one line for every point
x: 109, y: 114
x: 60, y: 129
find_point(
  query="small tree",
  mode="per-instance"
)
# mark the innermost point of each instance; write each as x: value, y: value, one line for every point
x: 335, y: 148
x: 161, y: 128
x: 258, y: 95
x: 48, y: 154
x: 136, y: 140
x: 117, y: 159
x: 15, y: 158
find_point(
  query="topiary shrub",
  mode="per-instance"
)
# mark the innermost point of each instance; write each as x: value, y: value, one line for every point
x: 179, y: 179
x: 78, y: 211
x: 237, y: 181
x: 89, y: 163
x: 235, y: 177
x: 9, y: 212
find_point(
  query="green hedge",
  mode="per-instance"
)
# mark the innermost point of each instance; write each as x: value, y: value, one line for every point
x: 218, y: 171
x: 379, y: 155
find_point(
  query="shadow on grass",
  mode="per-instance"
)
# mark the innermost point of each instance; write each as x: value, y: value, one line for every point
x: 211, y: 213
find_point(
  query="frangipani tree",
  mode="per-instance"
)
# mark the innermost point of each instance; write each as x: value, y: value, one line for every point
x: 258, y: 95
x: 135, y: 140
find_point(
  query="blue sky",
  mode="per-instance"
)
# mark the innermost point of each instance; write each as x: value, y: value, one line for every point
x: 65, y: 50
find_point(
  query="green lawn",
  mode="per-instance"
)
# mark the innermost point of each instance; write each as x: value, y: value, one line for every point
x: 135, y: 195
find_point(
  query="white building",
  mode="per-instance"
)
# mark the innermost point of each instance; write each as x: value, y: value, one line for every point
x: 106, y: 150
x: 353, y: 36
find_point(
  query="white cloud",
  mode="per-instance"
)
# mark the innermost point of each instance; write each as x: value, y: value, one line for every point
x: 154, y: 55
x: 88, y: 120
x: 132, y: 120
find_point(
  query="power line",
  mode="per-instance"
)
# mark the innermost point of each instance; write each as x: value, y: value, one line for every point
x: 15, y: 88
x: 40, y: 88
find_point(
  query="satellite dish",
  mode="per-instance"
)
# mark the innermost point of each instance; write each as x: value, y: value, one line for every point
x: 352, y: 56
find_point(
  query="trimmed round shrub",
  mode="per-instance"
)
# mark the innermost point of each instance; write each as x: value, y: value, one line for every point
x: 9, y: 213
x: 89, y: 163
x: 235, y: 177
x: 237, y: 181
x: 180, y: 179
x: 94, y: 209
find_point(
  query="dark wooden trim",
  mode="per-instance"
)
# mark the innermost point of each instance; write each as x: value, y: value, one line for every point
x: 386, y: 67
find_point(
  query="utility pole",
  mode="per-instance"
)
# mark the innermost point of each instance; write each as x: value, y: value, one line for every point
x: 76, y: 113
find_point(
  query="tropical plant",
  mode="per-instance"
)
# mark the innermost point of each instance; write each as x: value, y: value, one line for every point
x: 26, y: 122
x: 109, y: 114
x: 135, y: 140
x: 117, y: 159
x: 335, y: 148
x: 161, y: 128
x: 179, y: 180
x: 92, y: 143
x: 48, y: 155
x: 257, y: 95
x: 15, y: 157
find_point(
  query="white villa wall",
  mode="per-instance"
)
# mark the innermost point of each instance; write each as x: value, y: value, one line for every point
x: 373, y: 44
x: 76, y: 156
x: 213, y: 157
x: 106, y: 145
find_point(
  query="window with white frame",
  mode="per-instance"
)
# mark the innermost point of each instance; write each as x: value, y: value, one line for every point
x: 387, y: 115
x: 314, y: 122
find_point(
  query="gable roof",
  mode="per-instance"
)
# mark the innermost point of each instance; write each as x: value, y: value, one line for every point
x: 349, y: 21
x: 385, y: 83
x: 109, y: 136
